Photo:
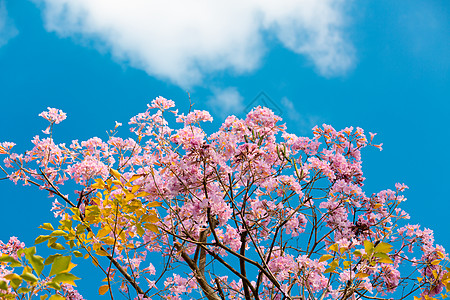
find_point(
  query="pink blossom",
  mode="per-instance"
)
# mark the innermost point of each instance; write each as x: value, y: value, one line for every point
x: 53, y: 115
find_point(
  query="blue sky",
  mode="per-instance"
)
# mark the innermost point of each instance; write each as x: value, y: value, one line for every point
x: 381, y: 65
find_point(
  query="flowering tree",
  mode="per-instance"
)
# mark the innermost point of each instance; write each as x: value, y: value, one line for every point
x: 248, y: 212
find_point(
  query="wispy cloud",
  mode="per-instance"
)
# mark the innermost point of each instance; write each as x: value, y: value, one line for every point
x: 7, y: 28
x: 304, y: 123
x: 182, y: 41
x: 227, y: 101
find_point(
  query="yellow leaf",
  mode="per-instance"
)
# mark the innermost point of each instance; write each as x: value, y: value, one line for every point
x: 152, y: 227
x: 108, y: 240
x: 334, y: 247
x: 103, y: 232
x: 151, y: 218
x: 115, y: 173
x: 102, y: 252
x: 347, y: 264
x: 134, y: 177
x: 142, y: 194
x: 383, y: 247
x: 99, y: 184
x: 419, y: 279
x: 325, y: 257
x: 362, y: 275
x: 103, y: 289
x: 135, y: 188
x: 154, y: 204
x: 435, y: 262
x: 12, y: 276
x: 117, y: 182
x: 46, y: 226
x: 368, y: 246
x: 129, y: 197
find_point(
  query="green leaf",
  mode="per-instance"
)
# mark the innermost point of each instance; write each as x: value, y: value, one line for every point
x: 57, y: 246
x: 23, y: 290
x: 54, y: 285
x: 37, y: 262
x: 3, y: 285
x: 41, y: 239
x: 7, y: 258
x: 51, y: 258
x: 384, y: 258
x: 57, y: 297
x: 334, y: 263
x: 383, y: 247
x: 77, y: 253
x: 14, y: 280
x: 65, y: 278
x: 60, y: 264
x: 52, y: 240
x: 29, y: 277
x: 325, y: 257
x: 58, y: 233
x: 368, y: 246
x: 46, y: 226
x: 347, y: 264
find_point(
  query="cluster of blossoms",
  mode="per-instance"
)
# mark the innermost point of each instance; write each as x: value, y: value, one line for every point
x: 247, y: 212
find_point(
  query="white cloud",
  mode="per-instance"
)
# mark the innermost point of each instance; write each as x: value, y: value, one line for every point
x: 7, y: 28
x: 183, y: 41
x: 227, y: 101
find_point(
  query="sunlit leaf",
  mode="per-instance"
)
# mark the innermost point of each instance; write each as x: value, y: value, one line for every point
x: 29, y: 277
x: 37, y: 263
x: 23, y: 290
x: 60, y: 264
x: 103, y: 289
x: 334, y: 247
x: 135, y: 188
x: 325, y: 257
x: 152, y: 227
x: 368, y: 246
x: 51, y: 258
x: 46, y: 226
x: 384, y: 258
x: 134, y: 177
x: 65, y: 278
x: 57, y: 246
x: 58, y: 233
x: 41, y: 239
x: 54, y: 285
x: 154, y: 204
x: 383, y: 247
x: 114, y: 173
